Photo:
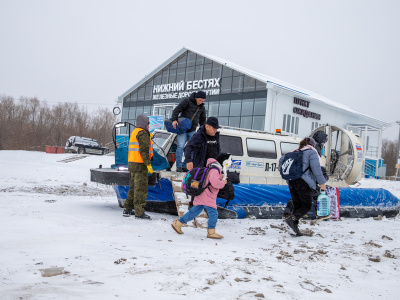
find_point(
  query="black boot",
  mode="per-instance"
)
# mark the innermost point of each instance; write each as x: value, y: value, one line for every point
x: 128, y: 212
x: 143, y: 217
x: 293, y: 223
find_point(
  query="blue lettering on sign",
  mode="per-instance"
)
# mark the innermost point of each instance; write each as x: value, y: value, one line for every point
x: 236, y: 165
x: 254, y: 164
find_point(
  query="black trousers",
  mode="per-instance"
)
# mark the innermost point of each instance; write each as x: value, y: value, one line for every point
x: 301, y: 196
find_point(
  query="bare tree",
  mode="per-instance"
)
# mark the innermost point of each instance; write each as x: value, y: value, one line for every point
x: 389, y: 155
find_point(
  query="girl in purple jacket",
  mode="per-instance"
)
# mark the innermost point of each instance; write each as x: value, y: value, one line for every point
x: 208, y: 198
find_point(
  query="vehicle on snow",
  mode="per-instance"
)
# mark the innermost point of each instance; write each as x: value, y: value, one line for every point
x: 260, y: 192
x: 81, y: 145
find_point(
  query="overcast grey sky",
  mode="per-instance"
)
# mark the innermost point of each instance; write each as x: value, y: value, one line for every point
x: 90, y: 52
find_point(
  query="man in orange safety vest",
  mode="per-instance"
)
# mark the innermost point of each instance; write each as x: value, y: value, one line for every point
x: 140, y: 154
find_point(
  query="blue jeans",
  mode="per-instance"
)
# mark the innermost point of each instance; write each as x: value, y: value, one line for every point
x: 182, y: 139
x: 196, y: 210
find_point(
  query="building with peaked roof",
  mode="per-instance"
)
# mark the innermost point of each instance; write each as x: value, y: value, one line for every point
x: 240, y: 97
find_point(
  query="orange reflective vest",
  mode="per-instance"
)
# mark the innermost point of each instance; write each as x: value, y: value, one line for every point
x: 133, y: 149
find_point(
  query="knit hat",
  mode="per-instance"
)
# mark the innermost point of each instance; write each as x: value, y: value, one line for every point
x: 142, y: 121
x: 311, y: 141
x: 200, y: 94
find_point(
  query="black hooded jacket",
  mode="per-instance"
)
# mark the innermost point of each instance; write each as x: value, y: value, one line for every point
x: 187, y: 108
x: 196, y: 148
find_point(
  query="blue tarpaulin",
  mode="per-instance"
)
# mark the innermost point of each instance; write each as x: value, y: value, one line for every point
x: 367, y: 197
x: 276, y: 195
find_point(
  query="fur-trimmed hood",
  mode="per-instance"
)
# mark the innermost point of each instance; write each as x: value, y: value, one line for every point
x: 212, y: 162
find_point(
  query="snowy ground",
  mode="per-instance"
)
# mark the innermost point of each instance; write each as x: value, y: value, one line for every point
x: 53, y: 216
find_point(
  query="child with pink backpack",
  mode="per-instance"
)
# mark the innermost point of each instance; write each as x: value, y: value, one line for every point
x: 215, y: 180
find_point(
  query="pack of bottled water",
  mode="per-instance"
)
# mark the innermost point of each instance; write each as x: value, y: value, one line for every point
x: 323, y: 205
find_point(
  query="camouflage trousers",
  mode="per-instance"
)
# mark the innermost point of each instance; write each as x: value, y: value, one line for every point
x: 138, y: 183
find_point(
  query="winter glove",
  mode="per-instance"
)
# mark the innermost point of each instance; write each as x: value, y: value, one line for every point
x: 151, y: 135
x: 150, y: 169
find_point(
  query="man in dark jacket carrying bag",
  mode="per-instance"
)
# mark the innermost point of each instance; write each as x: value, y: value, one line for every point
x: 203, y: 145
x: 191, y: 108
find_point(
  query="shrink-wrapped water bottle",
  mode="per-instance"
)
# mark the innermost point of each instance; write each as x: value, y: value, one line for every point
x: 323, y: 205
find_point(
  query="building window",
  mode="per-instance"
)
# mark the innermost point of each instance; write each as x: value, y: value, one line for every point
x: 260, y: 106
x: 260, y: 85
x: 190, y: 73
x: 182, y: 61
x: 191, y: 61
x: 139, y: 110
x: 235, y: 109
x: 224, y: 108
x: 236, y: 73
x: 290, y: 124
x: 157, y: 79
x: 165, y: 76
x: 288, y: 147
x: 216, y: 70
x: 161, y: 111
x: 207, y: 71
x: 245, y: 122
x: 180, y: 74
x: 198, y: 72
x: 234, y: 121
x: 227, y: 72
x: 261, y: 148
x: 147, y: 110
x: 284, y: 123
x: 258, y: 123
x: 249, y: 84
x: 199, y: 60
x: 148, y: 93
x: 134, y: 96
x: 237, y: 84
x: 247, y: 107
x: 226, y: 85
x: 223, y: 121
x: 125, y: 113
x: 174, y: 65
x: 293, y: 122
x: 213, y: 109
x: 141, y: 94
x: 231, y: 144
x: 172, y: 76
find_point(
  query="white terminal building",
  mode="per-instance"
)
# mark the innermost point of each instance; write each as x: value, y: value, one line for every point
x: 243, y: 98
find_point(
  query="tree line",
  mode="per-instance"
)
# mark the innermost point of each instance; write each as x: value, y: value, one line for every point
x: 30, y: 124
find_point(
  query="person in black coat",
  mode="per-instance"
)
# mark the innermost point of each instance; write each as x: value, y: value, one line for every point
x: 191, y: 108
x: 203, y: 145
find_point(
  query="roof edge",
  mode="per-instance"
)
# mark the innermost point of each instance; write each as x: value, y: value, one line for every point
x: 152, y: 73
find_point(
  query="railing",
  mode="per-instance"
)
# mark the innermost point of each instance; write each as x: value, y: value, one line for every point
x: 372, y: 152
x: 369, y: 169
